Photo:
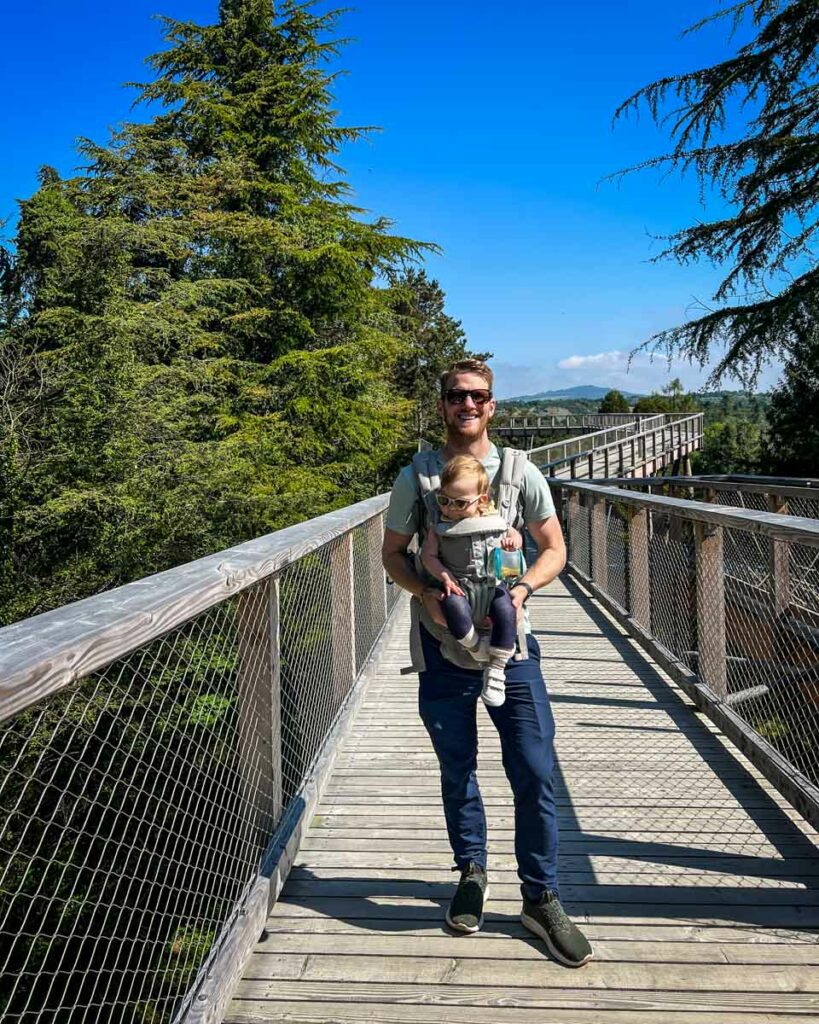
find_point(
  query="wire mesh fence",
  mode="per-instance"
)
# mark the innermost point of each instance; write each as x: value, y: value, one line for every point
x: 617, y: 552
x: 137, y: 803
x: 737, y: 605
x: 672, y: 586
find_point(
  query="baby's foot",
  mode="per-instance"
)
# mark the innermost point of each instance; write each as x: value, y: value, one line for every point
x: 493, y: 693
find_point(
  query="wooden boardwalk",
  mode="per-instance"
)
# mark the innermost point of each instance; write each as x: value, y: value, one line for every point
x: 696, y: 882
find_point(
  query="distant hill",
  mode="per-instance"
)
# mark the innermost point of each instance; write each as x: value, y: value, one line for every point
x: 588, y: 391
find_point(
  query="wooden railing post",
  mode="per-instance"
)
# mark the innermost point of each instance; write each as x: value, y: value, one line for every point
x: 606, y: 467
x: 711, y: 644
x: 259, y: 689
x: 599, y: 551
x: 779, y: 560
x: 572, y: 516
x: 639, y: 577
x: 378, y: 569
x: 342, y: 613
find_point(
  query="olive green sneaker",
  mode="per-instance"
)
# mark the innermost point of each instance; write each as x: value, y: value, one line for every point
x: 548, y: 920
x: 465, y: 912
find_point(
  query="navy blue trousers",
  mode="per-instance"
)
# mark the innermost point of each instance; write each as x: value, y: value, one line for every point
x: 447, y: 700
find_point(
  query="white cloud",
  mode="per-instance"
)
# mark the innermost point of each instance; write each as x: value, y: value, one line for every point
x: 633, y: 372
x: 601, y: 360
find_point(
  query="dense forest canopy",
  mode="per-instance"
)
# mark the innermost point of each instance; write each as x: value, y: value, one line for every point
x: 200, y: 332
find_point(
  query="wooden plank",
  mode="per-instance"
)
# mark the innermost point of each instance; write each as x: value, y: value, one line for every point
x: 317, y: 863
x: 773, y: 980
x: 321, y: 1007
x: 655, y: 912
x: 500, y: 933
x: 630, y: 891
x: 612, y: 822
x: 525, y: 946
x: 435, y: 844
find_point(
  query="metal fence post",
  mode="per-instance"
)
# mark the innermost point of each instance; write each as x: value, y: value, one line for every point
x: 711, y: 607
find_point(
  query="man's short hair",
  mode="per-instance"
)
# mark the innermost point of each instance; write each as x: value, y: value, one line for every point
x: 476, y: 366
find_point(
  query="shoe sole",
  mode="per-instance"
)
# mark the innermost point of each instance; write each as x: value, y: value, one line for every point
x: 541, y: 933
x: 465, y: 928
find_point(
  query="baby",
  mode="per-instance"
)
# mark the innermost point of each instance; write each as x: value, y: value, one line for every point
x: 464, y: 569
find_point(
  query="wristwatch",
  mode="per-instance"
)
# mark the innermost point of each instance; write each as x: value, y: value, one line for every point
x: 526, y: 587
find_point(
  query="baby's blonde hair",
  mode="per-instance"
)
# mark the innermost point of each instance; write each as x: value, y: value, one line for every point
x: 466, y: 465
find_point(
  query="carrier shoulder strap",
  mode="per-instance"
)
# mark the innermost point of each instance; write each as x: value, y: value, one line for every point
x: 425, y: 466
x: 509, y: 483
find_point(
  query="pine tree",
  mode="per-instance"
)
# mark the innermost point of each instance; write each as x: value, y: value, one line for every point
x: 211, y: 347
x: 748, y: 128
x: 792, y: 444
x: 434, y: 340
x: 614, y: 401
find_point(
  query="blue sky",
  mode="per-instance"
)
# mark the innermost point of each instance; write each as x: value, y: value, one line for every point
x: 496, y: 135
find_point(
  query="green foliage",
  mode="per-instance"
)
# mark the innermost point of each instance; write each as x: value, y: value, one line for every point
x: 201, y: 352
x: 614, y: 401
x: 745, y: 406
x: 433, y: 341
x: 792, y: 447
x: 729, y: 446
x: 673, y: 398
x: 747, y: 128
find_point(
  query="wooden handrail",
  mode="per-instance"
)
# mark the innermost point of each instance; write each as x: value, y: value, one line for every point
x: 796, y: 529
x: 47, y: 652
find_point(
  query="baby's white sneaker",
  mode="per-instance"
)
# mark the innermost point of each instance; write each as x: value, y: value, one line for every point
x: 493, y: 693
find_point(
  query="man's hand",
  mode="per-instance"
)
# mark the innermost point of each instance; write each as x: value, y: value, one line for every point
x: 512, y: 540
x: 431, y: 599
x: 518, y: 595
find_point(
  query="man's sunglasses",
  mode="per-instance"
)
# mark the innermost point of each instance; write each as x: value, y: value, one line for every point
x: 457, y: 503
x: 457, y: 396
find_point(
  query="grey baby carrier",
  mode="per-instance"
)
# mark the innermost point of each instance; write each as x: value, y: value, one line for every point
x: 466, y: 546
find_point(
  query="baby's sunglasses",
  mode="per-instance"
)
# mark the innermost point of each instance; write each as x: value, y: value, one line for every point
x: 457, y: 503
x: 457, y: 396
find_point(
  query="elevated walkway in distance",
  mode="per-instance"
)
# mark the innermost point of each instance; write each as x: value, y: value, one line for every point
x: 695, y: 880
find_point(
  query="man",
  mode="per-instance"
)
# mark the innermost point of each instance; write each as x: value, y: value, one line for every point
x: 448, y: 693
